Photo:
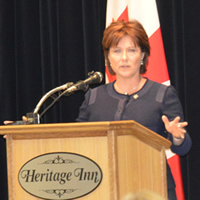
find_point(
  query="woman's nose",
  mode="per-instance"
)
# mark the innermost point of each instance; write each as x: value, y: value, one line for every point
x: 124, y: 55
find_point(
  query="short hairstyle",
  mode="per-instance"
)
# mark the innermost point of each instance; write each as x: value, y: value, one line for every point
x: 117, y: 30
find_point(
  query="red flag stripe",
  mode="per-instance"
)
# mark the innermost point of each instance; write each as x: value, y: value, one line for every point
x: 124, y: 15
x: 157, y: 66
x: 110, y: 77
x: 174, y: 163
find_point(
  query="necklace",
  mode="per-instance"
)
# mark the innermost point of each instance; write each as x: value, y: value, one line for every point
x: 127, y: 92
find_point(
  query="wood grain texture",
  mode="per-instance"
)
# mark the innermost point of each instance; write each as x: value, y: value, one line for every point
x: 131, y: 156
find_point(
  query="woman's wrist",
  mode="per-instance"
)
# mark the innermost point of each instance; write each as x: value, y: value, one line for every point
x: 177, y: 140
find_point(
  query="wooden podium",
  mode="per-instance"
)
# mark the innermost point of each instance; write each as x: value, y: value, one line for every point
x: 131, y: 157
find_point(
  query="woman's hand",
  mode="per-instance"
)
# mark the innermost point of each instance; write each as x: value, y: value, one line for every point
x: 7, y: 122
x: 175, y: 127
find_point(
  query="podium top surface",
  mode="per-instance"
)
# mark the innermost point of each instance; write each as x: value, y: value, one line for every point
x: 85, y: 129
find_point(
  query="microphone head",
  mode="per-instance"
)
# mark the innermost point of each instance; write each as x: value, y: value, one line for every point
x: 98, y: 77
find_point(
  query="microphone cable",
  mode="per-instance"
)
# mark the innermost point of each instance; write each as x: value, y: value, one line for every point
x: 53, y: 102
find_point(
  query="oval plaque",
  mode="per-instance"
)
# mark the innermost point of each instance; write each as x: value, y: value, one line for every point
x: 60, y: 175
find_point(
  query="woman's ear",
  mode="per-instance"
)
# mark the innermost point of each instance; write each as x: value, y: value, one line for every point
x: 142, y: 55
x: 108, y: 59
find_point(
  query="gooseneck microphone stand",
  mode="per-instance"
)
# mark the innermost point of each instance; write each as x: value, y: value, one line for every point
x: 68, y: 89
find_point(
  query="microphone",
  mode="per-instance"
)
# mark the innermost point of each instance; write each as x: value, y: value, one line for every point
x: 95, y: 77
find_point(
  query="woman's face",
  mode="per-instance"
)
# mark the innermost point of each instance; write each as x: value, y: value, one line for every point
x: 125, y: 58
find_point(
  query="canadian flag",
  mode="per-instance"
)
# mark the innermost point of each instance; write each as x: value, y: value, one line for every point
x: 145, y: 11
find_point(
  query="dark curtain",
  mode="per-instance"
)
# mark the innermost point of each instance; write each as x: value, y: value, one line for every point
x: 46, y: 43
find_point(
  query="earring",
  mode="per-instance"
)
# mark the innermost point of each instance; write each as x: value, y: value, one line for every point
x: 141, y: 63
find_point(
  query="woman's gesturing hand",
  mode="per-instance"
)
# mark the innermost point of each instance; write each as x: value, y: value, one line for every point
x: 175, y: 127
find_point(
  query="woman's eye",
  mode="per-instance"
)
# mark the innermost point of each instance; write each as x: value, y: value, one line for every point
x: 117, y: 50
x: 131, y: 50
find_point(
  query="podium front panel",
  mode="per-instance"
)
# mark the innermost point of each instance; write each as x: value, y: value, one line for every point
x: 21, y: 151
x: 140, y: 167
x: 130, y: 156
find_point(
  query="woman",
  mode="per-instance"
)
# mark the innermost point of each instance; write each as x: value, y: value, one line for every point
x: 134, y: 97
